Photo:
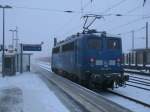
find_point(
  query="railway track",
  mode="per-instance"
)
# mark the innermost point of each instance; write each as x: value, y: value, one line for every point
x: 138, y: 87
x: 139, y: 73
x: 130, y: 98
x: 139, y: 78
x: 136, y: 81
x: 141, y: 83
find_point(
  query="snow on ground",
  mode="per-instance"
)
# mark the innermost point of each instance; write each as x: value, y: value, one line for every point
x: 36, y: 95
x: 11, y: 100
x: 45, y: 65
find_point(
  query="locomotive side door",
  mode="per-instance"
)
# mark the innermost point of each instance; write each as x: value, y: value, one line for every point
x: 77, y: 55
x: 76, y: 52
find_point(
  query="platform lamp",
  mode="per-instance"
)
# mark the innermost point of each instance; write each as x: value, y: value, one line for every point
x: 3, y: 52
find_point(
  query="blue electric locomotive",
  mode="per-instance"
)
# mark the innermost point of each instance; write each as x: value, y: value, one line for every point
x: 92, y: 58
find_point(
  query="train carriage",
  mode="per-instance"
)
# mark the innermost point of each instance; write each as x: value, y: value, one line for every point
x: 137, y: 59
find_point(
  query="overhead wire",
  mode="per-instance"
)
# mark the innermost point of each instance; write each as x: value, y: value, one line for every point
x: 53, y: 10
x: 108, y: 9
x: 130, y: 11
x: 83, y: 7
x: 128, y: 23
x: 71, y: 19
x: 47, y: 9
x: 87, y: 4
x: 135, y: 30
x: 82, y: 10
x: 65, y: 24
x: 114, y: 6
x: 71, y: 30
x: 62, y: 11
x: 133, y: 21
x: 134, y: 9
x: 126, y: 14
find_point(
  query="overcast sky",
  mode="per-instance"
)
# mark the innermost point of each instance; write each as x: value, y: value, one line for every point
x: 41, y: 20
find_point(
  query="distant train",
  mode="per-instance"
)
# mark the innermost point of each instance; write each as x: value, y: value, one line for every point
x: 91, y: 58
x: 137, y: 59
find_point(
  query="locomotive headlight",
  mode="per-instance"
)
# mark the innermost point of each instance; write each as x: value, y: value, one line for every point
x: 118, y: 60
x: 92, y: 60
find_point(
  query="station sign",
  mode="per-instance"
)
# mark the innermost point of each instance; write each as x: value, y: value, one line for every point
x: 31, y: 47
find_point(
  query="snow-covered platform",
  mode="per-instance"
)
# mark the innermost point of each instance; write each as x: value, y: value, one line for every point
x: 27, y: 93
x: 11, y: 100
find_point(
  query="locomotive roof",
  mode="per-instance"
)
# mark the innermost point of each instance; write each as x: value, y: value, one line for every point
x: 84, y: 35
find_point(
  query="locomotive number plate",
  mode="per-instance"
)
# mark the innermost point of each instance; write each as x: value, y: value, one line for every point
x: 99, y: 62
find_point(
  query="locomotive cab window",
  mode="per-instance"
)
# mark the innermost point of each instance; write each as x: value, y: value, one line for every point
x: 113, y: 44
x: 94, y: 43
x: 68, y: 47
x: 55, y: 50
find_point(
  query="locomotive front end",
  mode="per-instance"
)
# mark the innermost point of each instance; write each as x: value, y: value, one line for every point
x: 104, y: 61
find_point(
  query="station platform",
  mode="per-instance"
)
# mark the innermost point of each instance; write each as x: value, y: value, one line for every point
x: 28, y: 93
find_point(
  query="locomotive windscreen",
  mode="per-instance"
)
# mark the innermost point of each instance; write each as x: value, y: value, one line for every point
x: 94, y: 43
x: 113, y: 44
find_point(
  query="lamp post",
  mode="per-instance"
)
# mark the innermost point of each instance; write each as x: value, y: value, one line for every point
x: 3, y: 53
